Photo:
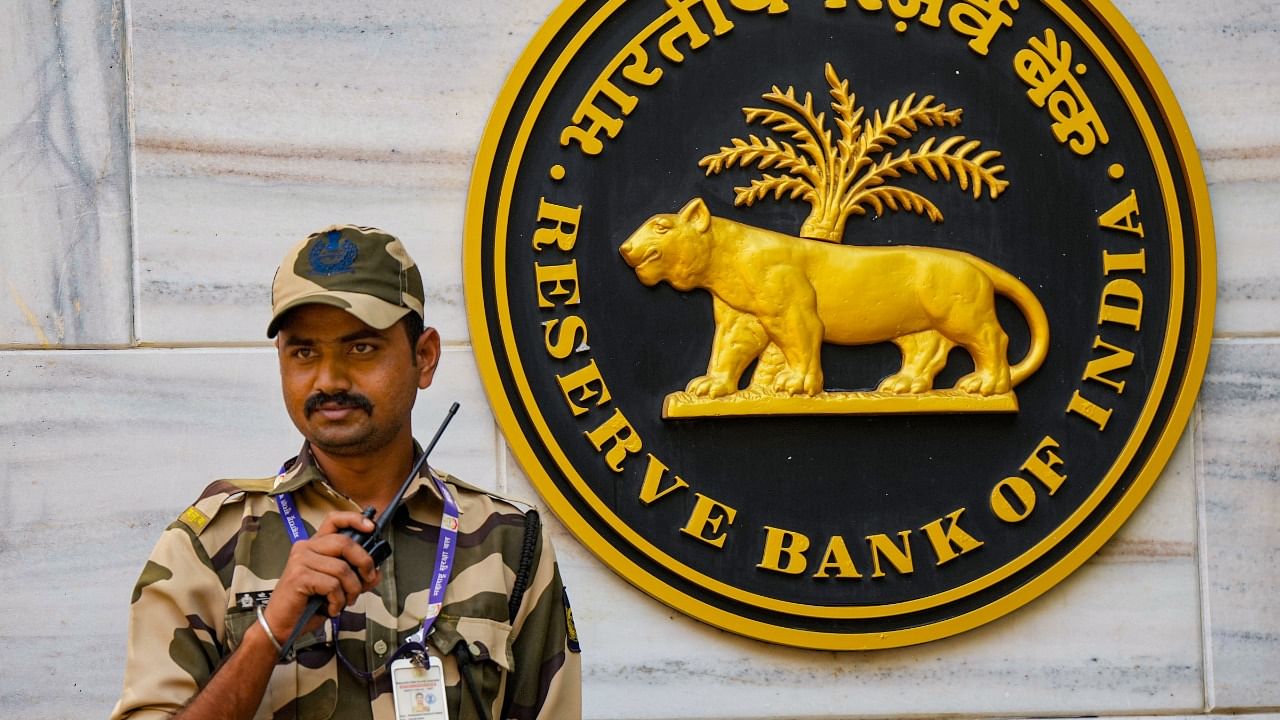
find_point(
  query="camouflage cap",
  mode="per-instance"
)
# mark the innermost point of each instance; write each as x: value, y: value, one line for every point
x: 362, y: 270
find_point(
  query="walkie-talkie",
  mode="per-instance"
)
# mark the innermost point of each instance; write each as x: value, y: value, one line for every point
x: 373, y: 543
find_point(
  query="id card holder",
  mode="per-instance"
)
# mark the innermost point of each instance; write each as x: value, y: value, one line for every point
x: 417, y: 686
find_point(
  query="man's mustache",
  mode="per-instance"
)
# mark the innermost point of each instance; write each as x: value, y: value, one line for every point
x: 341, y: 399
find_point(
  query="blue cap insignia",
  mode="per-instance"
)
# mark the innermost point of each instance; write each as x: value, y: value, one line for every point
x: 333, y: 255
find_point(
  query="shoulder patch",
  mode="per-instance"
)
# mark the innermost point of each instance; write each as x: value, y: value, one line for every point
x: 571, y: 640
x: 218, y: 494
x: 194, y: 519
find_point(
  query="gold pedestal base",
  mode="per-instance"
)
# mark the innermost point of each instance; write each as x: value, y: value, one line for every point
x: 683, y: 405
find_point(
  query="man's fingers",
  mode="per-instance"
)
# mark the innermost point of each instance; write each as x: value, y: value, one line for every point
x: 360, y: 560
x: 330, y: 565
x: 338, y: 521
x: 340, y: 582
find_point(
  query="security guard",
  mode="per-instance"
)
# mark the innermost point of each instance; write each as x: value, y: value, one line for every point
x: 470, y: 599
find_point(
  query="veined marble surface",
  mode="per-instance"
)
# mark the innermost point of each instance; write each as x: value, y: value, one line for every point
x: 281, y: 119
x: 65, y: 255
x: 1240, y: 441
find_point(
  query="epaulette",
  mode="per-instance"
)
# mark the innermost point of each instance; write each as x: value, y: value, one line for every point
x: 523, y: 506
x: 219, y: 494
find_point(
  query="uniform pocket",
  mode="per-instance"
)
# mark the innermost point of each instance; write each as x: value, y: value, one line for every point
x: 489, y: 644
x: 304, y: 689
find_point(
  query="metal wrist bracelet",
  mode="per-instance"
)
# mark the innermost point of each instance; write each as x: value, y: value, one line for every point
x: 262, y: 620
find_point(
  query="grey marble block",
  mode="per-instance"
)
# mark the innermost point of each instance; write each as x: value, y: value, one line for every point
x: 1119, y: 636
x: 1248, y: 261
x: 1240, y: 440
x: 100, y: 450
x: 260, y: 123
x: 65, y: 254
x: 1221, y: 62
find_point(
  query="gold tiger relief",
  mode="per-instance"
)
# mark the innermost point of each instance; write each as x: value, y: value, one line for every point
x: 777, y: 298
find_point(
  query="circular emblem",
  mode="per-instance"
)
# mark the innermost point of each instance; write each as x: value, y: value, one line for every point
x: 333, y: 254
x: 844, y: 324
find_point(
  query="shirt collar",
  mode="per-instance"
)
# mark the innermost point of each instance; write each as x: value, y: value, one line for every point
x: 303, y: 470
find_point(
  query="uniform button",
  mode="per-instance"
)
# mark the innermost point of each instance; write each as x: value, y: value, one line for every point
x: 380, y: 647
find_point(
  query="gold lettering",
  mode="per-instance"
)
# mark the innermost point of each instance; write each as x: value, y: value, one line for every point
x: 709, y: 515
x: 1127, y: 290
x: 837, y: 558
x: 1124, y: 217
x: 1124, y: 262
x: 651, y: 489
x: 1042, y: 68
x: 618, y: 430
x: 778, y: 542
x: 1045, y: 67
x: 638, y: 70
x: 561, y: 216
x: 588, y: 138
x: 951, y: 543
x: 908, y: 9
x: 1089, y: 410
x: 1097, y: 369
x: 687, y: 27
x: 1002, y: 504
x: 775, y: 7
x: 1076, y: 120
x: 899, y: 557
x: 567, y: 339
x: 581, y: 381
x: 1042, y: 468
x: 980, y: 20
x: 557, y: 275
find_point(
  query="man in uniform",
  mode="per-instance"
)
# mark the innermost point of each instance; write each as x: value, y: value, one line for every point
x: 230, y: 578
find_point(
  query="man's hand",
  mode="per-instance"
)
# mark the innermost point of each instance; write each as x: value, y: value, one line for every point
x: 328, y: 564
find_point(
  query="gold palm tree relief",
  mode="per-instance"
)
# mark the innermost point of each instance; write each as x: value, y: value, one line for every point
x: 849, y: 171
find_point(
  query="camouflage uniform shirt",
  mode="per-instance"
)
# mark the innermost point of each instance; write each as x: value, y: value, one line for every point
x: 195, y: 600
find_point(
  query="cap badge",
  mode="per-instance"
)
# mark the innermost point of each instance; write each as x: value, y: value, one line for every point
x: 333, y: 255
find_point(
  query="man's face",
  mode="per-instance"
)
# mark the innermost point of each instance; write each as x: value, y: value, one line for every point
x: 348, y: 387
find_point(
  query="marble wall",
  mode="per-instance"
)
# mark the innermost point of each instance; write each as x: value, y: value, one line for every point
x: 166, y: 150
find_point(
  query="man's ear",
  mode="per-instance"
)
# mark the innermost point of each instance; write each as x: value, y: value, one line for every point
x: 426, y: 355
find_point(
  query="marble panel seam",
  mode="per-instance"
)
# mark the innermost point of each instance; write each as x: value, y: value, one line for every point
x: 1247, y: 340
x: 450, y: 345
x: 1235, y: 172
x: 1202, y: 559
x: 131, y: 171
x: 438, y: 168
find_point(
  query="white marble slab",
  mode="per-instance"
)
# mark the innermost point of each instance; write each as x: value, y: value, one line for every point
x: 100, y: 450
x: 1240, y: 441
x: 1220, y: 60
x: 1248, y: 261
x: 65, y: 257
x: 1242, y: 716
x: 258, y: 123
x: 1120, y: 636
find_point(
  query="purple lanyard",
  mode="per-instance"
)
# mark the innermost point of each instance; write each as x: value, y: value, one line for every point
x: 297, y: 530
